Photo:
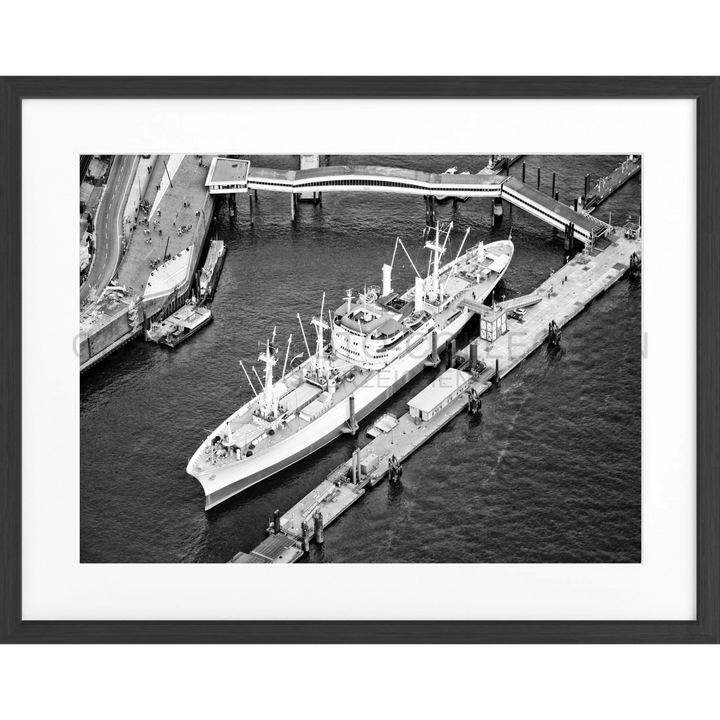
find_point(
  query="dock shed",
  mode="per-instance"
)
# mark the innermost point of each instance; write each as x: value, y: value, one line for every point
x: 439, y: 394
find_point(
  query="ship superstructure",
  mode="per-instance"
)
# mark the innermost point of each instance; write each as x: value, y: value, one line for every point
x: 378, y: 341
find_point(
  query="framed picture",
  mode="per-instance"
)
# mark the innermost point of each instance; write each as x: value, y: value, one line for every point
x: 448, y: 345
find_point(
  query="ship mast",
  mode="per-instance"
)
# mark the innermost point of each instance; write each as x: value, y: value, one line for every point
x: 438, y: 251
x: 269, y: 401
x: 320, y: 327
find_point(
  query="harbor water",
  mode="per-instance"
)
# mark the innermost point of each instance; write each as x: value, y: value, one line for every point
x: 550, y: 473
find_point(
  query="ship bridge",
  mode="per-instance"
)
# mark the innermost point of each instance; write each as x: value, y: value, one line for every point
x: 231, y: 176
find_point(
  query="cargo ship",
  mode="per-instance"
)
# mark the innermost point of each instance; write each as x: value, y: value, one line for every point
x: 378, y: 341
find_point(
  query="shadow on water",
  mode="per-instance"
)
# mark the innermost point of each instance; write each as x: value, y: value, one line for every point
x: 395, y: 491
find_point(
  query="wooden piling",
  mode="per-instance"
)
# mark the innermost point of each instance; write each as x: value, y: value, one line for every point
x: 305, y: 536
x: 523, y: 174
x: 318, y: 519
x: 473, y: 355
x: 538, y: 178
x: 552, y: 194
x: 276, y: 521
x: 352, y: 422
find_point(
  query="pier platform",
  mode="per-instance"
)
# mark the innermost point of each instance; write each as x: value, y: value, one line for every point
x: 565, y: 294
x: 606, y: 186
x: 343, y: 486
x: 277, y: 549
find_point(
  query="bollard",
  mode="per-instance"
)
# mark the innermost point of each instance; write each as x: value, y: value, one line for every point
x: 552, y: 194
x: 497, y: 370
x: 557, y: 197
x: 318, y: 518
x: 523, y: 175
x: 305, y: 536
x: 352, y: 420
x: 538, y: 178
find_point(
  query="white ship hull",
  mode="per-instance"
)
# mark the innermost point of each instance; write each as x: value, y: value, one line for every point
x: 235, y: 477
x: 227, y: 476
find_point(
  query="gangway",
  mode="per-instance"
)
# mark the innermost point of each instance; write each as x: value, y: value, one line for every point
x: 513, y: 304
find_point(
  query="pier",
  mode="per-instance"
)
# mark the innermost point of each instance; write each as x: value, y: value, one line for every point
x: 230, y: 176
x: 606, y: 186
x: 503, y: 344
x: 163, y: 231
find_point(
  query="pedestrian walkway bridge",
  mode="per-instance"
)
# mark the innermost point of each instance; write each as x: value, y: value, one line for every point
x: 230, y: 176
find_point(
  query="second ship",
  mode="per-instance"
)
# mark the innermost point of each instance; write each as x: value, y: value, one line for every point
x: 377, y: 345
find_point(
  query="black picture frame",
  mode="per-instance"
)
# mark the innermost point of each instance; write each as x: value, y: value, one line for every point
x: 705, y: 91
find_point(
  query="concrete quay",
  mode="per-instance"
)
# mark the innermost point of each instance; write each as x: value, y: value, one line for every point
x: 179, y: 211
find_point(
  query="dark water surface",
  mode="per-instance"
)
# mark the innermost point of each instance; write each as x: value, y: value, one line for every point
x: 550, y: 474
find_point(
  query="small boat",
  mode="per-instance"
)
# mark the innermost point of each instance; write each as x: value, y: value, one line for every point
x: 179, y: 326
x: 210, y: 273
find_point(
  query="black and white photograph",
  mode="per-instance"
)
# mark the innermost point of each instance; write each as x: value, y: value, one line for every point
x: 360, y: 358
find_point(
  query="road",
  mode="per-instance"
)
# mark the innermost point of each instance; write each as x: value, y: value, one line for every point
x: 108, y: 225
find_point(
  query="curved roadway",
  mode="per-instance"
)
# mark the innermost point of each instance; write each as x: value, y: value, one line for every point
x: 108, y: 225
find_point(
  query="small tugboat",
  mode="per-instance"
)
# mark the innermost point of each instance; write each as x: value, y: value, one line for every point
x: 179, y: 326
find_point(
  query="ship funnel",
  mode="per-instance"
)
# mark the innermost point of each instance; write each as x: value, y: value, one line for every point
x: 387, y: 280
x: 418, y: 294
